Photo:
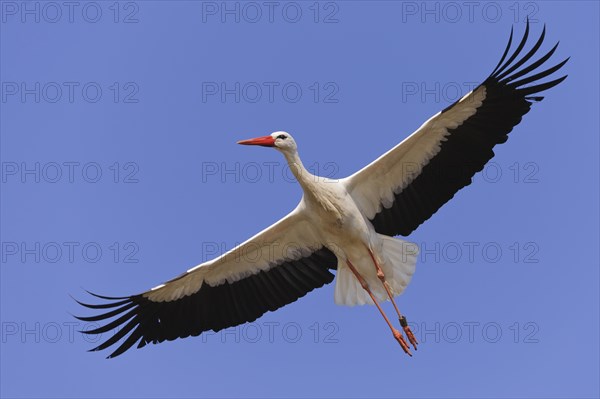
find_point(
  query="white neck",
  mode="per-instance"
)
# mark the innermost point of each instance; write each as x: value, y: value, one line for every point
x: 304, y: 177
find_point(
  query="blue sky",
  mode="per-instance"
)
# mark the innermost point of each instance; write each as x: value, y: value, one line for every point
x: 120, y: 170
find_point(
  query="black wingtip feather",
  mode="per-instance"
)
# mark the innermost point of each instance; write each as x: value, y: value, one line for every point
x: 541, y: 87
x: 537, y: 76
x: 525, y: 58
x: 534, y: 98
x: 531, y: 67
x: 109, y: 298
x: 515, y: 54
x: 505, y: 51
x: 103, y: 305
x: 106, y: 315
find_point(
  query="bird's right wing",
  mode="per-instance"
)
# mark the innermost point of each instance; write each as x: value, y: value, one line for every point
x: 405, y: 186
x: 274, y: 268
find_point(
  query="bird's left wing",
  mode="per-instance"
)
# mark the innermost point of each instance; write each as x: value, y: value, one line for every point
x: 274, y: 268
x: 405, y: 186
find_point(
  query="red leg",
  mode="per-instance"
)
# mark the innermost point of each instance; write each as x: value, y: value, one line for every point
x: 396, y: 333
x: 403, y: 322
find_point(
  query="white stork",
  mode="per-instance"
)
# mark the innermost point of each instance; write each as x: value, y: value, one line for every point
x: 344, y: 224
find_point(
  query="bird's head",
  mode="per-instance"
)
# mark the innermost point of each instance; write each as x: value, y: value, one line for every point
x: 281, y: 141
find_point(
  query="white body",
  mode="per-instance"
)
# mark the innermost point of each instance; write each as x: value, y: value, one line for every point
x: 349, y: 235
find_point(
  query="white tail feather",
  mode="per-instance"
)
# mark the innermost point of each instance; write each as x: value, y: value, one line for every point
x: 398, y: 260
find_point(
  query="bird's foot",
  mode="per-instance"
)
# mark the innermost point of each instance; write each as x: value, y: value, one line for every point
x: 401, y: 341
x: 408, y: 332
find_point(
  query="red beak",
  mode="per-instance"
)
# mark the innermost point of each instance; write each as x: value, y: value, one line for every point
x: 265, y: 141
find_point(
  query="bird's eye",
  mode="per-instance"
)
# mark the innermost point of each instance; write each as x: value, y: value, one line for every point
x: 282, y: 137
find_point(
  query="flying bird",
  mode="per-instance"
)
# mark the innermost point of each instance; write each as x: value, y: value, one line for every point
x: 347, y: 225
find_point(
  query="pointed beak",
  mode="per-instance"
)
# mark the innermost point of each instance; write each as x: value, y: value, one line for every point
x: 265, y: 141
